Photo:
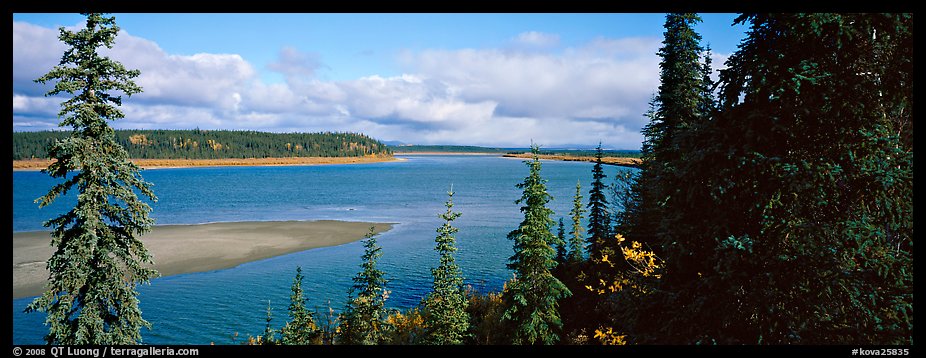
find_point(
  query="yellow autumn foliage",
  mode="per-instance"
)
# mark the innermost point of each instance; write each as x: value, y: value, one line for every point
x: 609, y: 337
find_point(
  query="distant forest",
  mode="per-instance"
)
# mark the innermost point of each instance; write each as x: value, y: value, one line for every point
x: 215, y: 144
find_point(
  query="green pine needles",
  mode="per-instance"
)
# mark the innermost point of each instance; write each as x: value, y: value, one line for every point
x: 301, y: 328
x: 364, y: 318
x: 447, y: 320
x: 599, y: 219
x: 576, y: 249
x: 98, y: 261
x: 531, y: 299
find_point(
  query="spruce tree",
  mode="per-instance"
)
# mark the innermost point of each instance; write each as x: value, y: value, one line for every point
x: 531, y: 299
x: 599, y: 219
x: 678, y: 113
x: 447, y: 320
x: 98, y: 260
x: 561, y: 253
x: 363, y: 318
x: 576, y: 250
x: 301, y: 328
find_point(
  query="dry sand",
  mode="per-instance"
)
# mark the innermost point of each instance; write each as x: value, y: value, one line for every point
x: 195, y: 248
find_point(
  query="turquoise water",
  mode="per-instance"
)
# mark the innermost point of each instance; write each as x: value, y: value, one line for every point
x: 200, y: 308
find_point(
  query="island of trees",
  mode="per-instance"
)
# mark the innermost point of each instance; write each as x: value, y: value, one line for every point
x: 772, y: 207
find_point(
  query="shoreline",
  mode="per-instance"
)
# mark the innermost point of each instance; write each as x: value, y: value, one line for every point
x: 618, y: 161
x: 38, y: 164
x: 449, y: 153
x: 179, y: 249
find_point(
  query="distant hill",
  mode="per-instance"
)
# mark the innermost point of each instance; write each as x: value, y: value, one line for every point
x: 216, y: 144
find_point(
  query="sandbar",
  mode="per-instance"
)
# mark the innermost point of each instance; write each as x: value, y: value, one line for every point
x: 196, y: 248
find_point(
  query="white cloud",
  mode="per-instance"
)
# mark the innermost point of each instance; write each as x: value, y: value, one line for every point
x: 538, y: 39
x: 579, y: 95
x: 292, y: 62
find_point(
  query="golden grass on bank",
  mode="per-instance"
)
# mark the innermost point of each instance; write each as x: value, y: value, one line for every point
x: 623, y: 161
x: 36, y: 164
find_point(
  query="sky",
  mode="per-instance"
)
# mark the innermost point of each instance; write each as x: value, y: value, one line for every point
x: 505, y: 80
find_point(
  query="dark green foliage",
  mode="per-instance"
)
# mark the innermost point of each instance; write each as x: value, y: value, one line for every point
x: 531, y: 298
x: 215, y: 144
x: 446, y: 320
x: 797, y: 224
x: 599, y: 219
x: 301, y: 328
x: 363, y: 319
x: 98, y: 260
x: 561, y: 252
x: 677, y: 111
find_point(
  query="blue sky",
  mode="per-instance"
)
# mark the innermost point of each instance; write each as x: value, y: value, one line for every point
x: 483, y: 79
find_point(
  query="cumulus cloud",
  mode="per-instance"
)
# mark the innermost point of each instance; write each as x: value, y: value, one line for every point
x: 498, y: 97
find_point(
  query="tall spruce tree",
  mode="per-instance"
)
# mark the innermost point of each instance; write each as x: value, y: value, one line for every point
x: 576, y: 246
x: 599, y: 219
x: 447, y: 320
x: 98, y: 260
x: 561, y: 253
x: 800, y: 229
x: 301, y: 328
x: 678, y: 111
x: 680, y: 106
x: 363, y: 318
x: 531, y: 299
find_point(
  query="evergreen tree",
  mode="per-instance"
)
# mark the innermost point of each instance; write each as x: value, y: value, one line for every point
x: 301, y: 328
x: 576, y: 252
x: 707, y: 101
x: 800, y: 229
x: 561, y: 253
x: 98, y: 260
x: 599, y: 220
x: 532, y: 297
x: 447, y: 320
x: 677, y: 112
x: 269, y: 336
x: 363, y: 319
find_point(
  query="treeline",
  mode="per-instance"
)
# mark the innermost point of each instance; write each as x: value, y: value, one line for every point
x: 773, y: 207
x: 214, y: 144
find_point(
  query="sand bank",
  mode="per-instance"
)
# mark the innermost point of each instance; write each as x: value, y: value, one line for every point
x: 195, y: 248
